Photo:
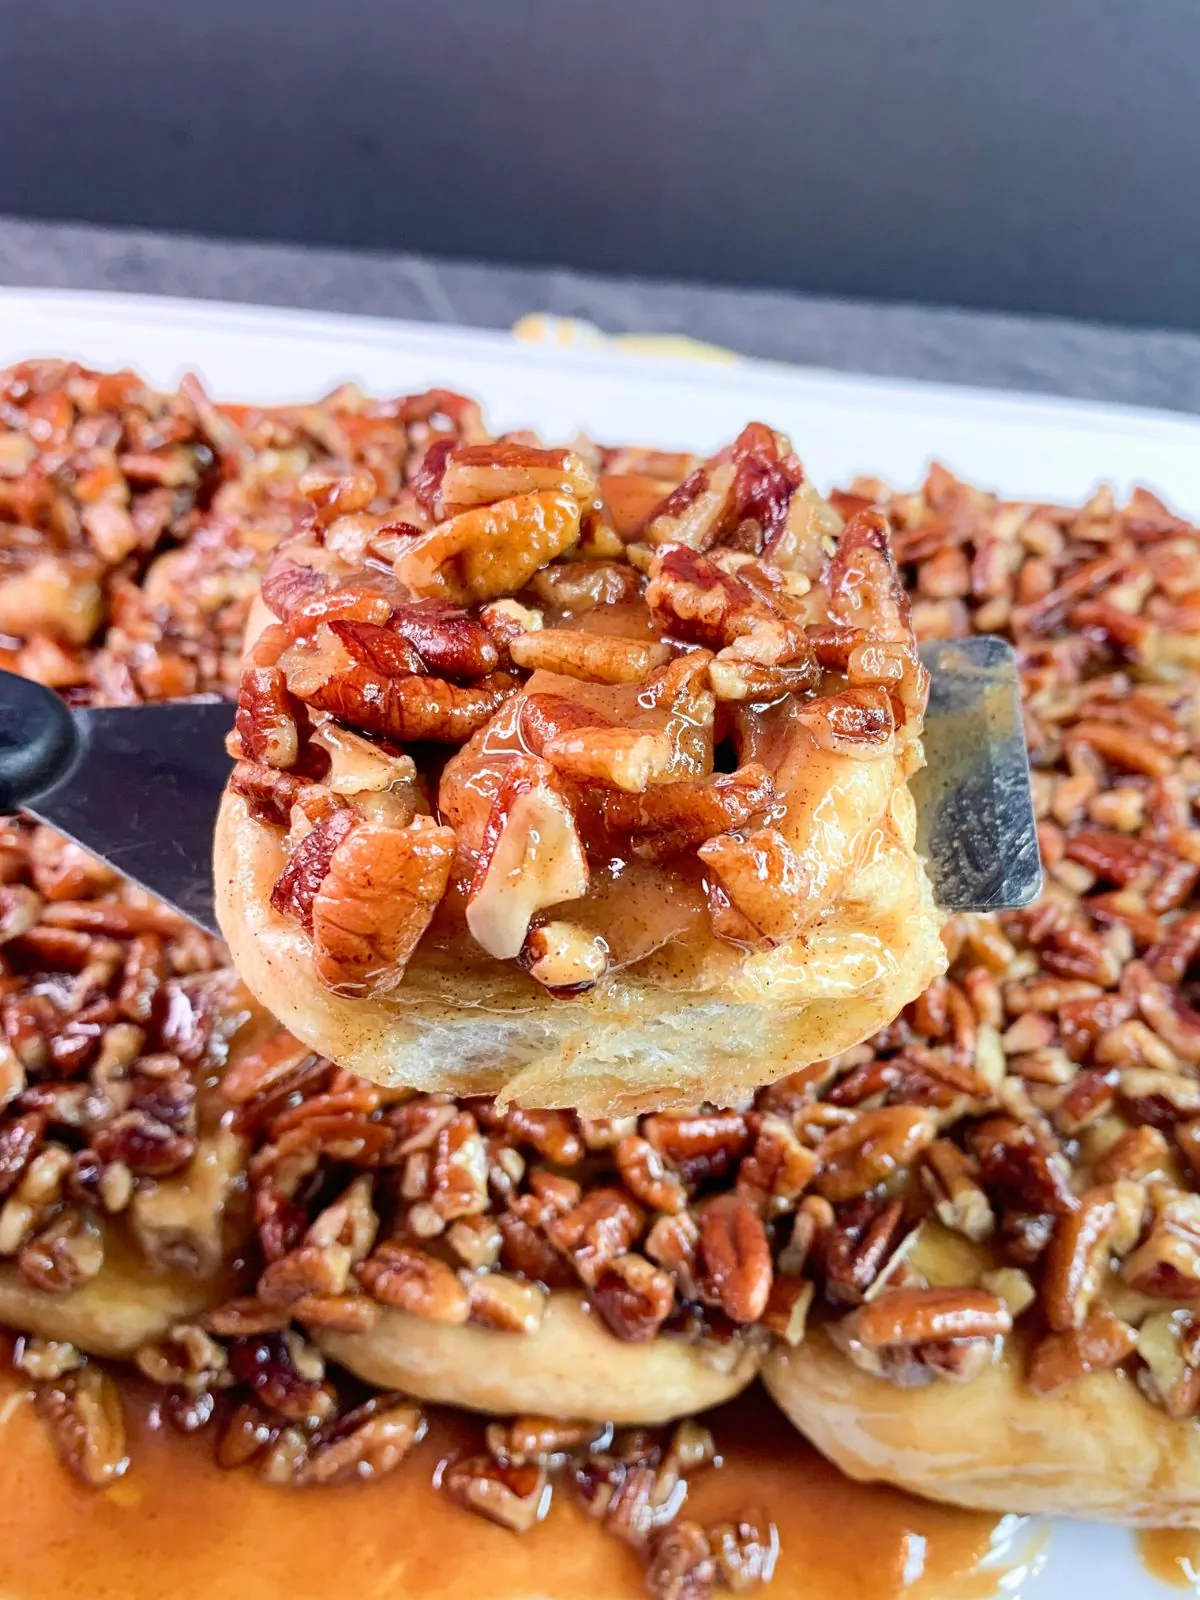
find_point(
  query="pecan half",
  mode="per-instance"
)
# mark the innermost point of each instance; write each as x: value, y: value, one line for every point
x: 863, y: 1153
x: 1077, y: 1259
x: 266, y: 718
x: 735, y: 1249
x: 490, y: 550
x: 1101, y: 1341
x: 921, y: 1316
x: 671, y: 818
x: 412, y: 708
x: 376, y: 898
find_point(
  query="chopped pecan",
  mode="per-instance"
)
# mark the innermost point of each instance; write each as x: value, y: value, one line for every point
x: 508, y: 1304
x: 490, y: 550
x: 459, y: 1169
x: 85, y: 1415
x: 1167, y: 1263
x: 629, y: 759
x: 412, y: 1280
x: 761, y: 880
x: 376, y: 647
x: 564, y: 957
x: 1077, y: 1259
x: 481, y: 474
x: 517, y: 1497
x: 693, y: 597
x: 64, y: 1255
x: 856, y: 1247
x: 647, y: 1177
x: 1165, y: 1342
x: 949, y: 1177
x: 601, y: 1227
x: 300, y: 881
x: 368, y: 1442
x: 1160, y: 1099
x: 592, y: 657
x: 633, y: 1297
x: 863, y: 581
x: 1015, y: 1164
x: 447, y: 640
x: 266, y: 718
x: 531, y: 858
x: 407, y: 709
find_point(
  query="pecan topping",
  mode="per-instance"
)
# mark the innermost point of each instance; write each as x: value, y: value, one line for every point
x: 595, y: 658
x: 863, y: 1153
x: 670, y: 818
x: 411, y: 1280
x: 920, y: 1316
x: 266, y: 718
x: 482, y: 474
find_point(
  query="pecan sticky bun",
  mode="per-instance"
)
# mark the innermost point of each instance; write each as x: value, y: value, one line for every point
x: 586, y: 786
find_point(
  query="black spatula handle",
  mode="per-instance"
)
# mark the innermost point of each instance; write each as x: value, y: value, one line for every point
x: 39, y: 741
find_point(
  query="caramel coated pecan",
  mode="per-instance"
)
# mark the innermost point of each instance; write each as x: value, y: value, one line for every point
x: 414, y: 707
x: 377, y: 896
x: 735, y: 1250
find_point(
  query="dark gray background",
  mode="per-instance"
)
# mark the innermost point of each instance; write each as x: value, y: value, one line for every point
x: 1036, y: 155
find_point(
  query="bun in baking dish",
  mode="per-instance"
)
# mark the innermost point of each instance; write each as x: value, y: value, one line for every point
x: 571, y: 1366
x: 541, y: 799
x: 1093, y: 1448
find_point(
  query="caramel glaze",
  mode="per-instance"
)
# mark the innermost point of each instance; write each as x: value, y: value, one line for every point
x: 177, y: 1525
x: 1172, y: 1555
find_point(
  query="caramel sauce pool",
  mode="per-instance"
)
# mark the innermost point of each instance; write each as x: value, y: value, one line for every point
x: 178, y: 1527
x: 1172, y: 1555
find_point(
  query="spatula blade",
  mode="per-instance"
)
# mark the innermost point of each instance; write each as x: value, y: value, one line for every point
x: 976, y: 825
x: 144, y: 797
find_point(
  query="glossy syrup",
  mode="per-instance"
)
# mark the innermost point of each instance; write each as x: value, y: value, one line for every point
x: 1172, y: 1555
x: 179, y: 1526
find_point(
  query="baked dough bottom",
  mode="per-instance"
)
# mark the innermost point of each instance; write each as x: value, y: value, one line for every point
x: 571, y: 1368
x: 1094, y: 1449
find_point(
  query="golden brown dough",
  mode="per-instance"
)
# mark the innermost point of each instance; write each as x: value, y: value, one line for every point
x: 125, y: 1306
x: 572, y: 1367
x: 1092, y: 1449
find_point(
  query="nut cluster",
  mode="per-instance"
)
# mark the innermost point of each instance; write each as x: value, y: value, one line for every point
x: 134, y: 524
x: 627, y: 689
x: 116, y: 1015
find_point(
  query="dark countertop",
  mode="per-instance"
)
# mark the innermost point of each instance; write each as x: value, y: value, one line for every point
x: 1050, y: 355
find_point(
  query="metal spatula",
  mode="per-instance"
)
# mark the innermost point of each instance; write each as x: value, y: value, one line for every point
x: 139, y: 786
